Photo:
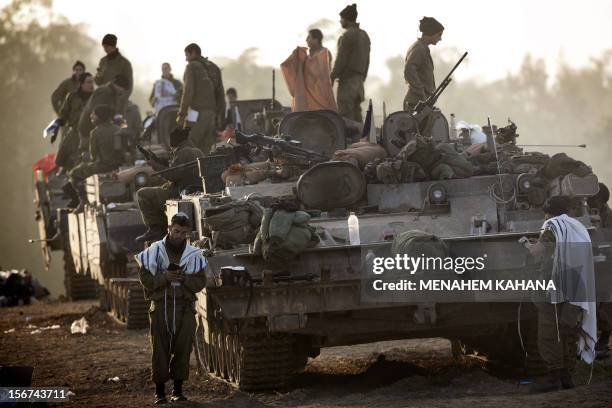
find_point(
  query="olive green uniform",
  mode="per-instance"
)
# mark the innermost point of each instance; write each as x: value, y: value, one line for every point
x: 203, y: 92
x: 171, y: 308
x: 604, y: 309
x: 351, y: 70
x: 105, y: 153
x: 103, y: 95
x: 112, y: 65
x: 70, y: 113
x: 419, y: 74
x: 152, y: 200
x: 557, y: 331
x: 59, y: 95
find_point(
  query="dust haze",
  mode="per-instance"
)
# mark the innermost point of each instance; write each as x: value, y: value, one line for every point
x: 574, y: 107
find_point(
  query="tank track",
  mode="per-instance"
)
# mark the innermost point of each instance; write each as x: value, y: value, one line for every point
x: 123, y: 296
x: 249, y: 362
x: 77, y: 286
x: 128, y: 303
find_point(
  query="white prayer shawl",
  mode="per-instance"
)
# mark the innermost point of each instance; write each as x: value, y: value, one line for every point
x: 165, y: 94
x: 155, y: 258
x: 574, y: 278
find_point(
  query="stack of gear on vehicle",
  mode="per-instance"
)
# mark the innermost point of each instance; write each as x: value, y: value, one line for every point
x: 232, y: 224
x: 361, y: 153
x: 284, y: 232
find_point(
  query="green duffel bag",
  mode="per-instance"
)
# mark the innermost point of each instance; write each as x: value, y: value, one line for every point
x: 299, y: 238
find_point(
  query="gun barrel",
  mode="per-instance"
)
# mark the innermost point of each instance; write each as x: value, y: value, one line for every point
x: 177, y: 167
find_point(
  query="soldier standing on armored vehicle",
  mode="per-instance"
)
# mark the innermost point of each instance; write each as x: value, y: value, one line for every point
x: 113, y: 64
x: 66, y: 86
x: 69, y: 114
x: 172, y: 272
x: 104, y: 151
x: 152, y: 200
x: 419, y: 67
x: 351, y: 66
x: 203, y: 102
x: 111, y: 94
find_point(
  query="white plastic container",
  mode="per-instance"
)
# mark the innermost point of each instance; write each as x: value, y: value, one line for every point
x: 353, y: 229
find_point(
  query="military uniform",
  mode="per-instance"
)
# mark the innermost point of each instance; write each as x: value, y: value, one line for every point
x: 152, y: 200
x: 203, y: 92
x: 70, y: 113
x: 106, y: 154
x: 419, y: 74
x: 112, y: 65
x: 351, y: 69
x: 59, y: 95
x: 172, y: 320
x: 103, y: 95
x: 557, y: 331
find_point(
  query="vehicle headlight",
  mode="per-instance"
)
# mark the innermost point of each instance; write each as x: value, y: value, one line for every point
x: 141, y: 179
x: 437, y: 194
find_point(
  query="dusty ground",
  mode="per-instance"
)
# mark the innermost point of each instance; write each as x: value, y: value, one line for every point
x: 416, y: 373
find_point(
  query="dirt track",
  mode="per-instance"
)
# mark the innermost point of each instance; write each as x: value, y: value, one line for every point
x: 415, y: 373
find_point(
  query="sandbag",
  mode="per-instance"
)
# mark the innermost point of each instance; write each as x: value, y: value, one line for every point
x: 360, y: 153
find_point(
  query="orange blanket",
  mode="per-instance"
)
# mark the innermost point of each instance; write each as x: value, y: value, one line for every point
x: 308, y: 80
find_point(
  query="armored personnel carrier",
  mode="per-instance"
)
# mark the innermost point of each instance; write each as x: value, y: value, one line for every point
x: 259, y: 320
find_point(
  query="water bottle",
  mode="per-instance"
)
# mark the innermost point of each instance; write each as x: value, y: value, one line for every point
x: 353, y: 228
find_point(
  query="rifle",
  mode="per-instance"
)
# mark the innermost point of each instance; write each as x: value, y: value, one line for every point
x: 424, y: 108
x: 284, y: 145
x: 149, y: 155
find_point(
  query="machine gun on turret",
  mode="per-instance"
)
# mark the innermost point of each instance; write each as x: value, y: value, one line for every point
x: 424, y: 108
x: 282, y: 146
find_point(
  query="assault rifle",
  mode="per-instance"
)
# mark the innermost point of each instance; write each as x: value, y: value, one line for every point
x: 424, y: 108
x: 149, y: 155
x: 284, y: 146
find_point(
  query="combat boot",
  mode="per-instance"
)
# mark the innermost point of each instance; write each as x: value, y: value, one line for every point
x: 82, y: 194
x: 566, y: 379
x: 72, y: 194
x: 153, y: 233
x: 602, y: 348
x: 160, y: 394
x: 177, y: 392
x: 548, y: 383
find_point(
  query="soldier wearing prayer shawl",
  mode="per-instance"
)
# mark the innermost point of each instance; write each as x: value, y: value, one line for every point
x: 567, y: 325
x: 172, y: 272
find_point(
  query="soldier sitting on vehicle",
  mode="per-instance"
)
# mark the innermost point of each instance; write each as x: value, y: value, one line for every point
x: 104, y: 150
x: 111, y: 94
x: 152, y: 200
x: 172, y: 272
x: 70, y: 113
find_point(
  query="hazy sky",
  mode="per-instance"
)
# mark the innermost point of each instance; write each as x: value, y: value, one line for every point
x: 496, y: 33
